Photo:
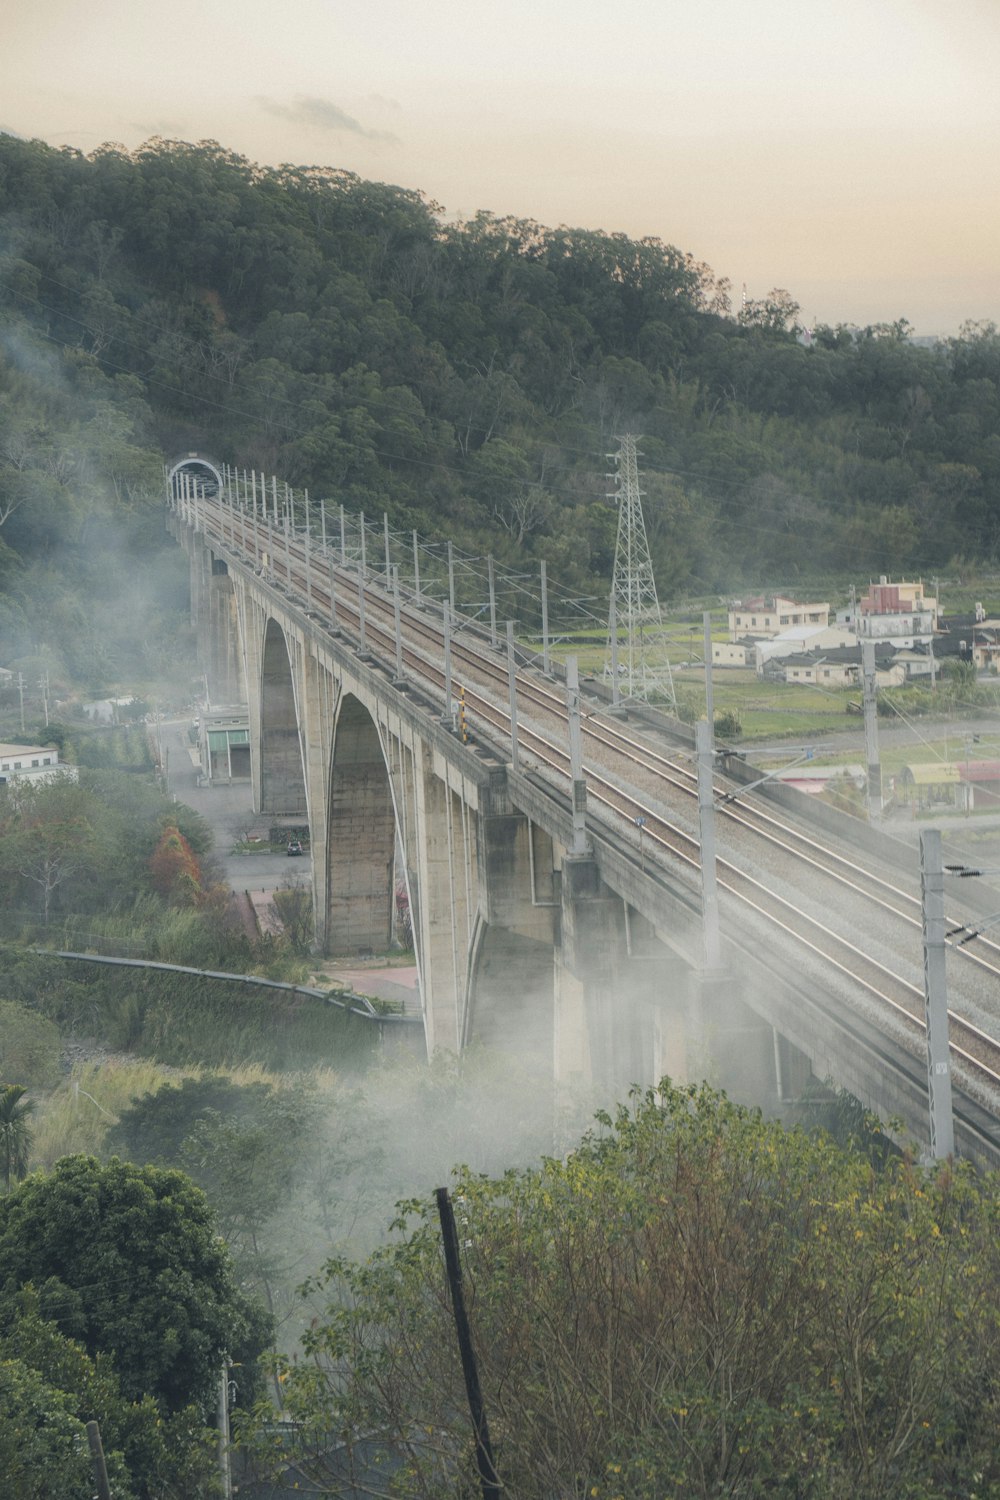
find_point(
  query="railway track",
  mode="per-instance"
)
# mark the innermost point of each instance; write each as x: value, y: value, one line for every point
x: 628, y: 778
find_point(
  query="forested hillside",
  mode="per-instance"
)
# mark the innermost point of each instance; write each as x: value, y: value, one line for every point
x: 469, y: 379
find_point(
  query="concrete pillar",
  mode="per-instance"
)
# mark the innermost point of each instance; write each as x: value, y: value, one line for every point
x: 445, y: 880
x: 621, y: 970
x: 740, y: 1043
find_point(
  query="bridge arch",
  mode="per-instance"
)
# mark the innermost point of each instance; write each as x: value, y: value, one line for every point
x: 282, y: 764
x: 361, y: 836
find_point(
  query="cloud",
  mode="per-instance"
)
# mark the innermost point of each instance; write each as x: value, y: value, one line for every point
x: 167, y: 129
x: 323, y: 114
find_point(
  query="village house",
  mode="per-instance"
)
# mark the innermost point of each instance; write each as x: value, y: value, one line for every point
x: 800, y: 639
x: 898, y: 612
x: 769, y: 615
x: 834, y: 667
x: 31, y: 763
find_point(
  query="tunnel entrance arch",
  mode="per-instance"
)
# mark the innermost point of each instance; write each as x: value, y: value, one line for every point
x: 282, y: 773
x: 203, y: 471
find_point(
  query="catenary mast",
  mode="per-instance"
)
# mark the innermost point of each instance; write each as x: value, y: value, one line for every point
x: 643, y: 664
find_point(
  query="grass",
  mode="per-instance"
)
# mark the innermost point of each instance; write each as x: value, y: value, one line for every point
x: 77, y: 1114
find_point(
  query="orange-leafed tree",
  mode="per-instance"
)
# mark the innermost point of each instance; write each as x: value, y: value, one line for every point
x: 175, y: 869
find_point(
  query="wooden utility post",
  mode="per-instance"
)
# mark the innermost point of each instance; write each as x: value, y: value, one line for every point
x: 97, y: 1460
x: 488, y: 1481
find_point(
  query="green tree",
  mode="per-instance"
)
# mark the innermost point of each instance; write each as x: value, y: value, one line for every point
x: 295, y: 908
x: 15, y: 1132
x: 47, y: 836
x: 157, y: 1458
x: 128, y: 1260
x: 695, y: 1302
x: 43, y: 1446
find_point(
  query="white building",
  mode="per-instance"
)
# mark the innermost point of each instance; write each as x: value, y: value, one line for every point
x: 769, y: 615
x: 800, y: 639
x: 900, y: 613
x: 31, y: 763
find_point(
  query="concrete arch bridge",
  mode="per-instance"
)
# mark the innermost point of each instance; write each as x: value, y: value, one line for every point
x: 550, y: 914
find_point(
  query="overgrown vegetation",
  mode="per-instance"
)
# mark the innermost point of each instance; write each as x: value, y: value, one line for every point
x: 467, y: 378
x: 179, y: 1018
x: 694, y: 1302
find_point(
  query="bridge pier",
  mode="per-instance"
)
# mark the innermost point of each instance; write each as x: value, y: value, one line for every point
x: 446, y: 884
x: 213, y: 611
x: 619, y: 1013
x: 512, y: 1004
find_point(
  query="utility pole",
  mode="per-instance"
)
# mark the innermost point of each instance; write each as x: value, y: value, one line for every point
x: 362, y: 633
x: 225, y: 1472
x: 616, y: 687
x: 545, y: 619
x: 397, y: 624
x: 491, y: 577
x: 512, y: 695
x: 579, y: 787
x: 20, y: 694
x: 97, y: 1461
x: 488, y: 1480
x: 309, y: 595
x: 647, y: 664
x: 869, y: 689
x: 706, y: 826
x: 709, y: 700
x: 942, y: 1125
x: 448, y: 714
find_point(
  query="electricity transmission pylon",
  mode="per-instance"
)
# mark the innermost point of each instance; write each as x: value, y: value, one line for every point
x: 634, y: 616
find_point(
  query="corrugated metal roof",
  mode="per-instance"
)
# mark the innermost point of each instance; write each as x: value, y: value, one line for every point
x: 940, y: 773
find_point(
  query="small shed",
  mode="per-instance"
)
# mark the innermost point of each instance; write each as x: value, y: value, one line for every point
x: 936, y: 784
x: 224, y: 746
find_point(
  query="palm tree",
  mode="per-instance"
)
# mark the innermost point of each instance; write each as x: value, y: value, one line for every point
x: 15, y: 1133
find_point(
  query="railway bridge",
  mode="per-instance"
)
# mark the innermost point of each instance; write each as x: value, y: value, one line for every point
x: 556, y: 902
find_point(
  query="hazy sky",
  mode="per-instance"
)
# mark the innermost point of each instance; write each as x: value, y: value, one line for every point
x: 844, y: 149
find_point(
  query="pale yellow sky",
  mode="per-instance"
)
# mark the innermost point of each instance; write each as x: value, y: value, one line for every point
x: 844, y: 149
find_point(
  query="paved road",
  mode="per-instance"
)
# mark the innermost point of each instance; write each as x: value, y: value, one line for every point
x: 228, y: 810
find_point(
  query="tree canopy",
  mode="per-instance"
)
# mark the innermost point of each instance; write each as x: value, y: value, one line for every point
x: 694, y: 1302
x: 128, y: 1261
x: 50, y: 1388
x: 468, y: 379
